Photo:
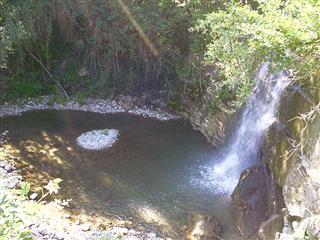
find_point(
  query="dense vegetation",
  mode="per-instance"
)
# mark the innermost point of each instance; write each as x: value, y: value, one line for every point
x: 201, y: 50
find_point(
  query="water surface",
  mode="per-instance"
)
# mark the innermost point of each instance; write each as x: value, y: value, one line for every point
x: 145, y: 176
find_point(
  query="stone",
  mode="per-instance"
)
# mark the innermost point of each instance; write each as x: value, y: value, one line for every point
x: 67, y: 215
x: 8, y: 167
x: 205, y: 228
x: 152, y: 235
x: 311, y: 226
x: 33, y: 196
x: 269, y: 228
x: 86, y: 227
x: 60, y: 236
x: 3, y: 164
x: 256, y: 198
x: 308, y: 228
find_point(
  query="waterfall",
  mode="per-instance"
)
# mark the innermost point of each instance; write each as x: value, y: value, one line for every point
x: 243, y: 147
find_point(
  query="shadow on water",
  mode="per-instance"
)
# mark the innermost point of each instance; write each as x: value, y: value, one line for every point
x: 145, y: 176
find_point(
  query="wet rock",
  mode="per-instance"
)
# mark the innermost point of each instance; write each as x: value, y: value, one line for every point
x: 269, y: 229
x: 205, y: 228
x: 213, y: 125
x: 256, y: 198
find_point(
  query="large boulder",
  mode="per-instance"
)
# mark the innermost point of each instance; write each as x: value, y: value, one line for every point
x: 256, y: 198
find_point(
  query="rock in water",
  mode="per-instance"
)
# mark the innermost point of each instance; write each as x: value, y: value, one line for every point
x: 205, y: 228
x: 98, y: 139
x: 256, y: 198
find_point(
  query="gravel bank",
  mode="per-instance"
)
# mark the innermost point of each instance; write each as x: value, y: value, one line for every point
x: 121, y: 105
x: 98, y: 139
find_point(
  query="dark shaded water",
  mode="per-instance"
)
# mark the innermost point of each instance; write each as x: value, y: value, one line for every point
x: 146, y: 175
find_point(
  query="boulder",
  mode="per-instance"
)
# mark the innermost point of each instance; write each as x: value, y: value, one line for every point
x: 256, y: 198
x: 269, y: 228
x: 205, y: 228
x: 308, y: 228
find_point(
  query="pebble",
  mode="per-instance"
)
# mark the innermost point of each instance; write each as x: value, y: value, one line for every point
x: 33, y: 196
x: 86, y: 227
x: 60, y: 236
x: 151, y: 235
x: 8, y: 167
x: 67, y: 215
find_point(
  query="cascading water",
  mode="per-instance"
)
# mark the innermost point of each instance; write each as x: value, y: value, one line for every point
x: 243, y: 147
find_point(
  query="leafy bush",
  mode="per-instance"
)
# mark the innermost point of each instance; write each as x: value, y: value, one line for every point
x: 240, y: 37
x: 14, y: 209
x: 11, y: 214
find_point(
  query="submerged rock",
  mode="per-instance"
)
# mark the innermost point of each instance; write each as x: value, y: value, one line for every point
x: 256, y: 198
x: 98, y: 139
x: 205, y: 228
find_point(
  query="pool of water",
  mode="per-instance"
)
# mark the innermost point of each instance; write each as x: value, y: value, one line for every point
x: 146, y: 175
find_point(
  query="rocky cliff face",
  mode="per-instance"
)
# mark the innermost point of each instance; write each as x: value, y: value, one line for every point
x: 213, y: 125
x: 293, y: 153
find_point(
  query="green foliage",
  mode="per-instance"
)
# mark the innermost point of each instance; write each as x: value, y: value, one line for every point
x: 24, y: 189
x: 241, y: 37
x: 122, y: 49
x: 11, y: 215
x: 191, y: 48
x: 14, y: 208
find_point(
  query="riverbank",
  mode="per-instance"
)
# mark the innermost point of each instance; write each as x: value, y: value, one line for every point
x: 122, y: 104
